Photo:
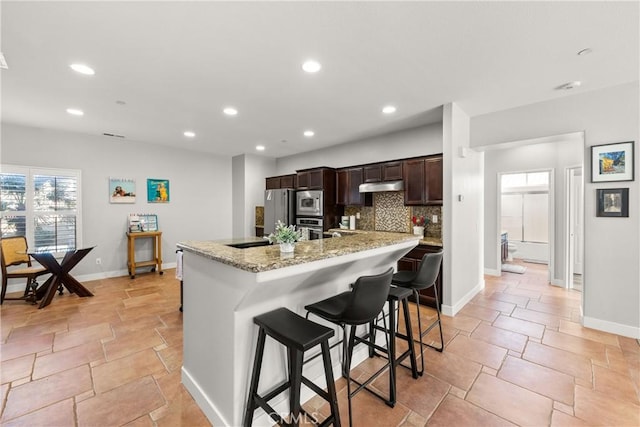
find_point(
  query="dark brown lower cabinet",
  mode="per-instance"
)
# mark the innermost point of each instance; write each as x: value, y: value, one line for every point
x: 411, y: 261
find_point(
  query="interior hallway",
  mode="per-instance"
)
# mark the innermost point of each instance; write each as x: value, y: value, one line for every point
x: 515, y: 355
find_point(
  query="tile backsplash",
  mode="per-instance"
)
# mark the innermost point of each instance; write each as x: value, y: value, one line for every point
x: 389, y: 213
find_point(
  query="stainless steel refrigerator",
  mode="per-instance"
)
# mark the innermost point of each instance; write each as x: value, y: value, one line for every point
x: 279, y: 205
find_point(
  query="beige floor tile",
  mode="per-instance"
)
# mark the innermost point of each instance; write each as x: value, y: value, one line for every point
x: 591, y: 349
x: 572, y: 364
x: 121, y: 371
x: 495, y: 304
x: 62, y: 360
x: 30, y: 330
x: 556, y: 310
x: 22, y: 347
x: 531, y: 329
x: 603, y: 410
x: 58, y: 414
x: 550, y: 320
x: 577, y: 330
x: 478, y: 351
x: 457, y: 412
x: 614, y: 384
x: 132, y: 342
x: 462, y: 323
x: 82, y: 336
x: 17, y: 368
x: 561, y: 419
x: 451, y: 368
x: 479, y: 312
x: 525, y: 407
x: 43, y: 392
x: 500, y: 337
x: 121, y: 405
x: 518, y: 300
x: 545, y: 381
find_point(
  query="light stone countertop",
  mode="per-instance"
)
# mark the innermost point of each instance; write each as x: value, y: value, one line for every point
x: 429, y: 241
x: 266, y: 258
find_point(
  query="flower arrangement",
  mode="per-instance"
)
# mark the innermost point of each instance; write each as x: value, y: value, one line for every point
x: 418, y: 221
x: 284, y: 234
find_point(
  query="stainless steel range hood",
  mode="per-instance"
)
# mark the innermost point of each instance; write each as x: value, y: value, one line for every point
x: 375, y: 187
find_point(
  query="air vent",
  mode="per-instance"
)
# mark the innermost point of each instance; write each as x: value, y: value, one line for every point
x: 113, y: 135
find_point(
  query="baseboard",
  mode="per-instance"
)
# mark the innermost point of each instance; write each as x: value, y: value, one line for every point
x: 611, y: 327
x: 453, y: 310
x: 205, y: 404
x: 558, y: 282
x: 19, y: 287
x: 492, y: 272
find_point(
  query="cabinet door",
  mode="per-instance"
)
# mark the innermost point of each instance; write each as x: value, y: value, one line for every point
x: 413, y: 172
x: 315, y: 180
x: 433, y: 180
x: 303, y: 180
x: 406, y: 264
x: 355, y: 179
x: 392, y: 171
x: 288, y: 181
x: 342, y: 187
x: 273, y: 183
x: 372, y: 173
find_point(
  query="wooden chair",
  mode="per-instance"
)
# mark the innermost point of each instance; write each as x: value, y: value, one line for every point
x: 13, y: 252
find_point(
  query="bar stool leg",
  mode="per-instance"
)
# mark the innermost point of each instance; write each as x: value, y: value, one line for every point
x: 255, y: 377
x: 331, y: 386
x: 295, y: 382
x: 409, y: 332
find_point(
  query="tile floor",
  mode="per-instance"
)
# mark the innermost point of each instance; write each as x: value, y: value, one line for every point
x: 516, y: 355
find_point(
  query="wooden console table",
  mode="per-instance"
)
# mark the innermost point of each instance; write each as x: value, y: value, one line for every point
x: 155, y: 263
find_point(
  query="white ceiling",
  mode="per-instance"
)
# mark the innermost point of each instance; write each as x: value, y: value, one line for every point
x: 177, y: 64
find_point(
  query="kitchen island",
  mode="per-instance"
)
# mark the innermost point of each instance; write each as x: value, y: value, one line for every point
x: 226, y: 287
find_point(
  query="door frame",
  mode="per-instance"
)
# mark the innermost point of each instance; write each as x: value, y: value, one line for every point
x: 570, y: 246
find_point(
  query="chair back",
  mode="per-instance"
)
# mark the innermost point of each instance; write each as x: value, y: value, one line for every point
x: 14, y: 251
x: 428, y: 270
x: 368, y: 296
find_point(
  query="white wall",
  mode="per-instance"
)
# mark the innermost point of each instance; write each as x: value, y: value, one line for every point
x: 200, y: 187
x: 553, y: 155
x: 415, y: 142
x: 462, y: 228
x: 249, y: 173
x: 612, y: 245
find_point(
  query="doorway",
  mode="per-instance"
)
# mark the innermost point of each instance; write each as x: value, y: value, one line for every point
x: 575, y: 228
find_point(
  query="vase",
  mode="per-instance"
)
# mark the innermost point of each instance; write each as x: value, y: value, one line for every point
x: 418, y: 230
x: 287, y: 247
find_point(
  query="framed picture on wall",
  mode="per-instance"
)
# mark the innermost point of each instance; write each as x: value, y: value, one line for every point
x: 613, y: 202
x: 122, y: 190
x: 612, y: 162
x: 158, y: 191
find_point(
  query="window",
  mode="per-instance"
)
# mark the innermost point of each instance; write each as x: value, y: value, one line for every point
x: 43, y: 205
x: 525, y: 206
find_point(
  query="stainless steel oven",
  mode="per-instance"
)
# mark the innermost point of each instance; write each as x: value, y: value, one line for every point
x: 312, y: 228
x: 309, y: 203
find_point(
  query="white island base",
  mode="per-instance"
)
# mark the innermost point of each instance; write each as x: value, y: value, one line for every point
x: 220, y: 302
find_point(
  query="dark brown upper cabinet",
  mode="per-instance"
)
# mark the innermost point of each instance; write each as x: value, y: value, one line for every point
x: 392, y: 171
x: 281, y: 181
x: 348, y: 193
x: 372, y: 173
x: 423, y: 181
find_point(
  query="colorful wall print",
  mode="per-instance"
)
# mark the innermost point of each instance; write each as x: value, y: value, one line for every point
x: 122, y: 190
x: 158, y: 191
x: 612, y: 162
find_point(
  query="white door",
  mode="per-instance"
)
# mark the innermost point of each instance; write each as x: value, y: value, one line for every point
x: 577, y: 220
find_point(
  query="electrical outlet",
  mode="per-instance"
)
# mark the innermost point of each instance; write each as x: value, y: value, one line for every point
x: 434, y: 219
x: 357, y: 215
x: 98, y: 261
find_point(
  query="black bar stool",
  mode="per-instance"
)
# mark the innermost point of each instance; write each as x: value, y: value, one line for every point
x: 360, y: 306
x: 298, y: 335
x: 424, y: 278
x: 397, y: 295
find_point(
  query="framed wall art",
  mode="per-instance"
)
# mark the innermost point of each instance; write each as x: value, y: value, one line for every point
x: 122, y: 190
x: 613, y: 202
x: 158, y: 191
x: 612, y: 162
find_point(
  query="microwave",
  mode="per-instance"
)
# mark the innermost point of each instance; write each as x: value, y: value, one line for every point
x: 309, y: 203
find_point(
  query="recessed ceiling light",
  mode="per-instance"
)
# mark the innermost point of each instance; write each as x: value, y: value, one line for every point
x: 569, y: 86
x: 585, y: 51
x: 230, y: 111
x: 389, y: 109
x: 82, y: 69
x: 75, y: 112
x: 189, y: 134
x: 260, y: 147
x: 311, y: 66
x: 309, y: 133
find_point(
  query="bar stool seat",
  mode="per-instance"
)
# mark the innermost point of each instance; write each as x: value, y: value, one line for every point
x: 298, y: 335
